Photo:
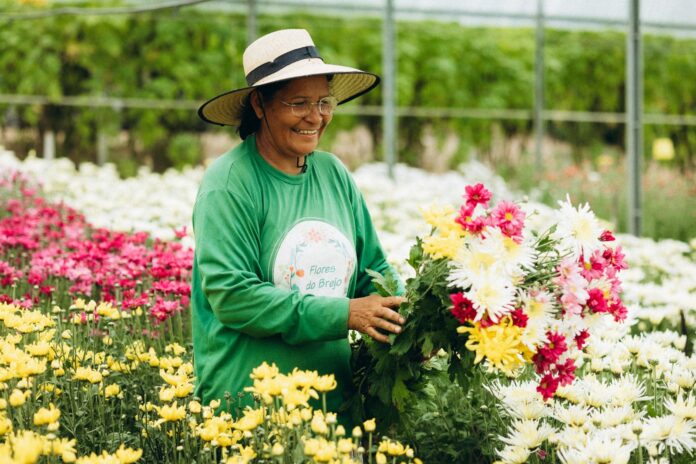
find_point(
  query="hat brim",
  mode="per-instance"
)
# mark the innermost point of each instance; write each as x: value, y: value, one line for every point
x: 346, y: 84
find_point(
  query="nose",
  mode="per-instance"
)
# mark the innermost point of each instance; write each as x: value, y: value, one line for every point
x: 314, y: 115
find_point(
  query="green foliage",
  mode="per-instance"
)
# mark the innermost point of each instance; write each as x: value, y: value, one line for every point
x: 448, y: 423
x: 184, y: 149
x: 194, y: 54
x: 385, y: 375
x: 669, y: 200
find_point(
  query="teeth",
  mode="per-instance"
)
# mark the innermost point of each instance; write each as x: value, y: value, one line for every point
x: 306, y: 132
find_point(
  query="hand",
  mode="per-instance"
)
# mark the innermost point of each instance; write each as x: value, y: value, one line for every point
x: 373, y: 313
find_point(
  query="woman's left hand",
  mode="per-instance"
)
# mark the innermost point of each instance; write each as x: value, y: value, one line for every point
x: 373, y: 315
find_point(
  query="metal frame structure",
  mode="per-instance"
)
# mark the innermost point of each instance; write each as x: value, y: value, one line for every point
x: 390, y: 111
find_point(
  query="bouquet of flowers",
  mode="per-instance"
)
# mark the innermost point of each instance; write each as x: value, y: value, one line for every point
x: 490, y: 291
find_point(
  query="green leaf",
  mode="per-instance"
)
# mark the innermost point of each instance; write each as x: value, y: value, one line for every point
x: 400, y: 392
x: 427, y: 348
x: 386, y: 285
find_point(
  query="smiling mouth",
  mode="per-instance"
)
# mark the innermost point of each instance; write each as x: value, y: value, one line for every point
x: 306, y: 132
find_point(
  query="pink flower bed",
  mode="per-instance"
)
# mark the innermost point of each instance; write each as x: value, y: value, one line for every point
x: 50, y: 253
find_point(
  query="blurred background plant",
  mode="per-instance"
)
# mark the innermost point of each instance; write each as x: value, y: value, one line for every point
x: 183, y: 56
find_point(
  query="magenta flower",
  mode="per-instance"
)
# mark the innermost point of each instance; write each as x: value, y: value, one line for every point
x: 509, y: 218
x: 477, y: 195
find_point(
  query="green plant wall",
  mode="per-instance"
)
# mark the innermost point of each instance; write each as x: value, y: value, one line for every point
x: 192, y: 54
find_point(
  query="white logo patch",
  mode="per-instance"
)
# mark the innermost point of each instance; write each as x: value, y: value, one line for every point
x: 315, y: 258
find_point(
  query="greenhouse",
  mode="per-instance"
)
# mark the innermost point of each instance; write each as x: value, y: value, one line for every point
x: 378, y: 231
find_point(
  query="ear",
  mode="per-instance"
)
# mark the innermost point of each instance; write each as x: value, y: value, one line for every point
x: 256, y: 104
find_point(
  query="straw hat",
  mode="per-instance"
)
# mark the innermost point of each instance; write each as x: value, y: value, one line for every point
x: 281, y: 56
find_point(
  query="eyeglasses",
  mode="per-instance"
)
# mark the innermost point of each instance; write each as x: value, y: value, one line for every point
x: 302, y: 108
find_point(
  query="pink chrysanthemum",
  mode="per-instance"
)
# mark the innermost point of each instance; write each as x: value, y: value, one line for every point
x: 477, y: 195
x: 463, y: 308
x: 509, y: 218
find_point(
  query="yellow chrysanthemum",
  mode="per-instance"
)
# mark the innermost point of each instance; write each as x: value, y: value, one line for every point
x: 64, y: 448
x: 251, y: 419
x: 172, y: 412
x: 195, y: 407
x: 90, y: 375
x: 500, y: 344
x: 112, y: 390
x: 18, y: 397
x: 40, y: 348
x: 318, y: 425
x: 174, y: 379
x: 107, y: 309
x: 325, y: 383
x: 441, y: 217
x: 175, y: 348
x: 5, y: 425
x: 168, y: 362
x: 46, y: 415
x: 27, y: 446
x: 442, y: 245
x: 370, y: 425
x: 128, y: 455
x: 264, y: 371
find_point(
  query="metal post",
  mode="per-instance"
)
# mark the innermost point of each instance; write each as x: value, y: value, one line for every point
x: 634, y: 123
x: 102, y: 148
x: 49, y: 145
x: 539, y: 87
x: 252, y: 28
x: 389, y: 76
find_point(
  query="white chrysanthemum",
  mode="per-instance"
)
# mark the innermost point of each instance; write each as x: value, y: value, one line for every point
x: 489, y: 291
x: 492, y: 296
x: 539, y: 306
x: 627, y: 390
x: 613, y: 416
x: 528, y: 434
x: 574, y: 456
x: 572, y: 437
x: 533, y: 410
x: 574, y: 415
x: 684, y: 408
x: 605, y: 446
x: 534, y: 334
x: 597, y: 393
x: 681, y: 376
x: 513, y: 455
x: 678, y: 434
x: 513, y: 257
x: 573, y: 393
x: 577, y: 229
x: 477, y: 259
x: 513, y: 392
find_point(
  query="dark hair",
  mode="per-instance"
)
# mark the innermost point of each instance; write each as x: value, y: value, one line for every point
x: 248, y: 122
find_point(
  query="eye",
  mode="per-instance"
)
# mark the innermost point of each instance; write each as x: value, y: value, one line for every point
x: 299, y: 103
x: 327, y: 105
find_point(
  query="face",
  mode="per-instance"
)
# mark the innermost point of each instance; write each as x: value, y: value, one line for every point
x: 283, y: 137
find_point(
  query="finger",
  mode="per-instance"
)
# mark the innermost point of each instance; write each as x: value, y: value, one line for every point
x: 393, y: 316
x: 377, y: 336
x: 393, y: 301
x: 388, y: 326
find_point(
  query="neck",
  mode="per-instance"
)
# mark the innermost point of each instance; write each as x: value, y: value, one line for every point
x: 287, y: 164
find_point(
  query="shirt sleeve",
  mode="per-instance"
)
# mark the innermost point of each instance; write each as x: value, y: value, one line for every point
x: 227, y: 234
x: 370, y: 253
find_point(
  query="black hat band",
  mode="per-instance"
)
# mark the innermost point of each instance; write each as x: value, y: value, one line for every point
x: 280, y: 62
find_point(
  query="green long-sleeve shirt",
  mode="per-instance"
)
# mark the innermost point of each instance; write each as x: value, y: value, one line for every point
x: 277, y: 258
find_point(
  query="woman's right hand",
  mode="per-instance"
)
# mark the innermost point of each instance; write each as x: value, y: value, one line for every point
x: 373, y: 315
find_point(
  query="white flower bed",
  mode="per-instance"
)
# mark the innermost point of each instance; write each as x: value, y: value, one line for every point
x: 594, y: 421
x: 660, y: 282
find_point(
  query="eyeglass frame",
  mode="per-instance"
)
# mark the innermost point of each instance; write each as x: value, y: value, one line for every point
x: 294, y: 107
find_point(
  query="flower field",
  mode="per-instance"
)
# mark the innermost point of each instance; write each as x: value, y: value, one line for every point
x: 96, y: 364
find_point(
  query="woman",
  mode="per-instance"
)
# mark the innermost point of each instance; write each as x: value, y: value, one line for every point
x: 283, y: 236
